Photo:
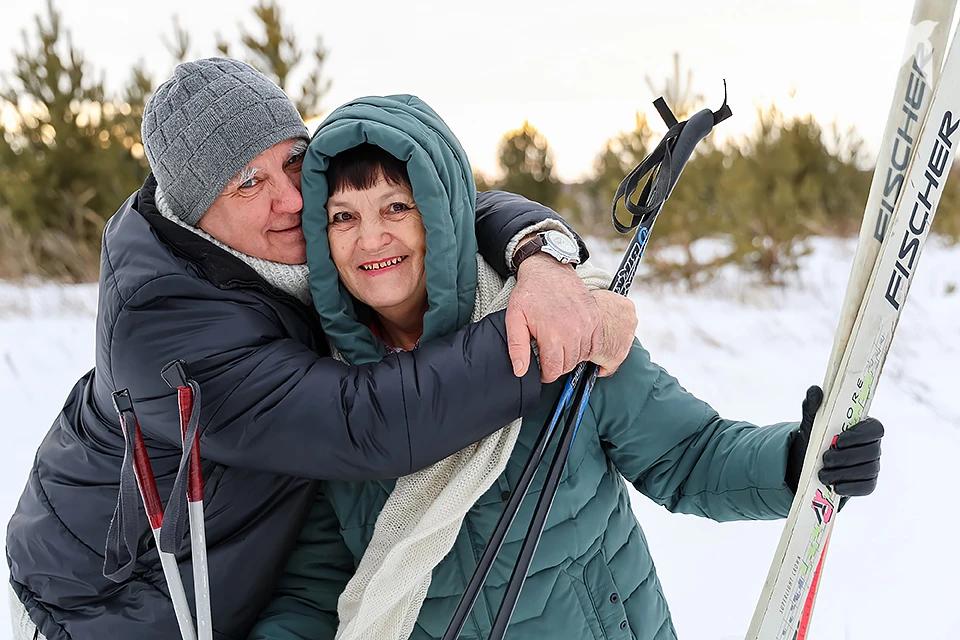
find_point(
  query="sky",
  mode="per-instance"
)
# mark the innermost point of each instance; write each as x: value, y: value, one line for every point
x: 576, y: 70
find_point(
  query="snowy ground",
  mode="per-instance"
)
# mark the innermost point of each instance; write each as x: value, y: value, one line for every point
x: 749, y: 350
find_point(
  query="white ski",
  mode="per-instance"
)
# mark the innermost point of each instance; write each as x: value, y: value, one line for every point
x: 921, y: 62
x: 914, y: 164
x: 925, y: 47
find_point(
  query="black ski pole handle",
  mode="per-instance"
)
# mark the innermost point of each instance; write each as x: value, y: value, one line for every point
x: 662, y: 168
x: 696, y: 129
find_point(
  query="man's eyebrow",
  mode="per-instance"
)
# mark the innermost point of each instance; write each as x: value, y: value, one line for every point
x: 245, y: 174
x: 300, y: 146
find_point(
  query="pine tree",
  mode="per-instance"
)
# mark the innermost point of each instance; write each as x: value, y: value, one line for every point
x: 618, y: 158
x: 692, y: 210
x: 695, y: 210
x: 275, y: 53
x: 66, y: 162
x: 526, y: 161
x: 784, y: 185
x: 70, y: 155
x: 678, y: 91
x: 179, y: 46
x: 482, y: 182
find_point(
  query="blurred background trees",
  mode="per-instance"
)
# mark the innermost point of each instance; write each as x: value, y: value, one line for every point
x: 70, y: 159
x: 526, y: 160
x: 71, y: 153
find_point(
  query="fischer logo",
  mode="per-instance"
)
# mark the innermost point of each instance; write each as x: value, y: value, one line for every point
x: 927, y: 195
x: 920, y: 50
x: 918, y: 42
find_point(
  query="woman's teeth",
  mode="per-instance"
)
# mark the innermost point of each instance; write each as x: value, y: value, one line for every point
x: 373, y: 266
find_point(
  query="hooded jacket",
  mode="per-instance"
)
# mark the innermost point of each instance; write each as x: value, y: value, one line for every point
x: 593, y: 575
x: 277, y: 414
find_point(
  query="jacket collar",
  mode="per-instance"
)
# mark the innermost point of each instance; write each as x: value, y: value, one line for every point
x: 220, y: 268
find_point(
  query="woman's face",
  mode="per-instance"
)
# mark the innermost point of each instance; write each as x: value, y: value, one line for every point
x: 378, y: 245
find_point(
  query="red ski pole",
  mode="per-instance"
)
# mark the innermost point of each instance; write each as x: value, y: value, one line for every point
x: 154, y: 508
x: 175, y: 374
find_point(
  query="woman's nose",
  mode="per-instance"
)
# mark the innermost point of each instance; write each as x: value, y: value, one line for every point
x: 373, y: 234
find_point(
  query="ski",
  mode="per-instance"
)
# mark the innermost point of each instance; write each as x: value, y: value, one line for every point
x: 921, y: 62
x: 924, y: 49
x: 891, y: 239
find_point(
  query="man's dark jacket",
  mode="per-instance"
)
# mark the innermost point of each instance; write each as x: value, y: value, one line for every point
x: 276, y: 416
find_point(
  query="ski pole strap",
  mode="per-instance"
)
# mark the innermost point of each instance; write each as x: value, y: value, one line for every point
x: 664, y: 164
x: 121, y: 550
x: 176, y: 516
x: 665, y: 113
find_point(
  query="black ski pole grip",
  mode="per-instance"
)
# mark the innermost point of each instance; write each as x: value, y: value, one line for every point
x: 694, y: 130
x: 175, y: 374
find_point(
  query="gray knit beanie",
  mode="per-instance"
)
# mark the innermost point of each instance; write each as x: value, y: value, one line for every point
x: 203, y: 125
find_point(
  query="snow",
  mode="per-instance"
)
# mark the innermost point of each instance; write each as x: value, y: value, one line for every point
x: 748, y: 349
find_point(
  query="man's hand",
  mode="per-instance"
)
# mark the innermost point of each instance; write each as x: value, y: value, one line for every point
x: 569, y: 323
x: 619, y: 317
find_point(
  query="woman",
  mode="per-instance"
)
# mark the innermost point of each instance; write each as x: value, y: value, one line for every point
x: 396, y: 234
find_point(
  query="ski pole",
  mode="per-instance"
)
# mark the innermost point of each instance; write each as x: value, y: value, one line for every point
x: 658, y: 189
x: 674, y: 151
x: 176, y: 376
x: 469, y: 597
x: 154, y: 508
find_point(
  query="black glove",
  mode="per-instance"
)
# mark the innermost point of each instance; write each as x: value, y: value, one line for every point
x: 852, y: 462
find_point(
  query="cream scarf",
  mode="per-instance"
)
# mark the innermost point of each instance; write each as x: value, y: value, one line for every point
x: 422, y: 516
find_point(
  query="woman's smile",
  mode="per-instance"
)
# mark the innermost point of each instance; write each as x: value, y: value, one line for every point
x: 381, y: 267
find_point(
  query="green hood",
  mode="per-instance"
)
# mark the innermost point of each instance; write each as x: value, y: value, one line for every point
x: 444, y: 191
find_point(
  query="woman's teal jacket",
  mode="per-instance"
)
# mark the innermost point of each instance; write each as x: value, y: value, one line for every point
x: 592, y: 576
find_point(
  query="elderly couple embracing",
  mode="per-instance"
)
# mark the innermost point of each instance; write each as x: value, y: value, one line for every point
x: 359, y: 320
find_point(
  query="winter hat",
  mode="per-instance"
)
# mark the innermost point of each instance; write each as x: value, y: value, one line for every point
x: 203, y: 125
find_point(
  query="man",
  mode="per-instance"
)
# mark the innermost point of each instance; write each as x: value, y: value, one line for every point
x: 206, y: 263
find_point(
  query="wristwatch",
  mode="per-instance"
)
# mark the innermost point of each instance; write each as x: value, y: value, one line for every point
x: 553, y: 243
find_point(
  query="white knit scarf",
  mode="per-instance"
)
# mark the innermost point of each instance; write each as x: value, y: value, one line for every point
x: 422, y: 516
x: 290, y: 278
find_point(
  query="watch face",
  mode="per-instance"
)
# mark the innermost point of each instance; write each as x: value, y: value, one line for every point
x: 562, y: 243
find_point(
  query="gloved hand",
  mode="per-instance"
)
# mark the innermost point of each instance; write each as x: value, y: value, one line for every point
x: 851, y: 464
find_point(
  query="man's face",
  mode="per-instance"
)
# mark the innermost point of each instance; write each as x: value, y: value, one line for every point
x: 259, y: 212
